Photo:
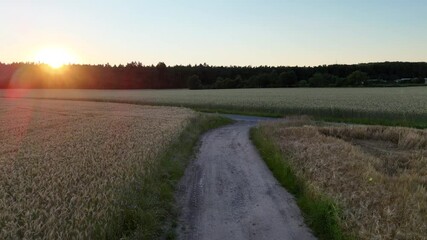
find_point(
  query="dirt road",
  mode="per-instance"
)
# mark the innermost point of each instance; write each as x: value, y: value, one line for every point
x: 229, y: 193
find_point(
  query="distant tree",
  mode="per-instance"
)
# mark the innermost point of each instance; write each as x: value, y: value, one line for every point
x: 253, y: 82
x: 272, y: 80
x: 219, y: 83
x: 288, y: 78
x: 193, y: 82
x: 222, y: 83
x: 264, y: 79
x: 161, y: 69
x: 419, y: 80
x: 302, y: 83
x: 316, y: 80
x: 238, y: 81
x: 161, y: 66
x: 323, y: 80
x: 356, y: 78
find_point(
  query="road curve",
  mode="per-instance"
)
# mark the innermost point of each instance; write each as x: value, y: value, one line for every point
x: 228, y: 192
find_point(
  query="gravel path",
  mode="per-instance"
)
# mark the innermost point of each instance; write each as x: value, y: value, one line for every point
x: 228, y: 192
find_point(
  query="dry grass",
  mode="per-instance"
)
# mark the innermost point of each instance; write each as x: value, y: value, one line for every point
x: 62, y: 163
x: 377, y: 175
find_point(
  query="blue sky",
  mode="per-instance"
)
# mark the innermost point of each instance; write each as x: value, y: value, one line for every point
x: 233, y: 32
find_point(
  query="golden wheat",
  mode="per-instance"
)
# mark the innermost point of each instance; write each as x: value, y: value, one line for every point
x: 378, y: 175
x: 61, y: 162
x: 382, y: 103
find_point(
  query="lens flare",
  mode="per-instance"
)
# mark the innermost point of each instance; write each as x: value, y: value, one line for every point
x: 54, y: 57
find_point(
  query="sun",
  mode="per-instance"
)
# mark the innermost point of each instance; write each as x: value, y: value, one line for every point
x: 54, y: 57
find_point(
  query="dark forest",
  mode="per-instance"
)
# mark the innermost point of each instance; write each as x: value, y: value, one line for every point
x: 135, y: 75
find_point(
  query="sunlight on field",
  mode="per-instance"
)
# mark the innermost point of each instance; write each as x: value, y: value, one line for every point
x: 62, y: 163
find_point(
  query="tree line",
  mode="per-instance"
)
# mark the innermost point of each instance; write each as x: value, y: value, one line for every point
x: 135, y: 75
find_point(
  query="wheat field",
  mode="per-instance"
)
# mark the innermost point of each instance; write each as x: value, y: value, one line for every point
x: 408, y: 104
x: 377, y: 175
x: 62, y: 163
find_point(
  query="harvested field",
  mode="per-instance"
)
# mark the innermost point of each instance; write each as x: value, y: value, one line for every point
x: 63, y: 163
x: 377, y: 175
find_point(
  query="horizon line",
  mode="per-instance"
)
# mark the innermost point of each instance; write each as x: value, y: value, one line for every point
x: 208, y: 65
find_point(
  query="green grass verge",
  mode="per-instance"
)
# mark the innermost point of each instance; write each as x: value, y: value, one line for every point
x: 412, y: 123
x: 147, y: 205
x: 374, y: 121
x: 320, y: 213
x: 238, y: 112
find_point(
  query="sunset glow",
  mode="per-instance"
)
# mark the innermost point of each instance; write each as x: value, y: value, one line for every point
x: 54, y: 57
x: 256, y: 33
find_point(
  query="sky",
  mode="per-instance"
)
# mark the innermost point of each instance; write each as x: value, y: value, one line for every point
x: 220, y: 32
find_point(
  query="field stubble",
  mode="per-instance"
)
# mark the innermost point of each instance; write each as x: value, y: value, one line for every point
x: 62, y: 162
